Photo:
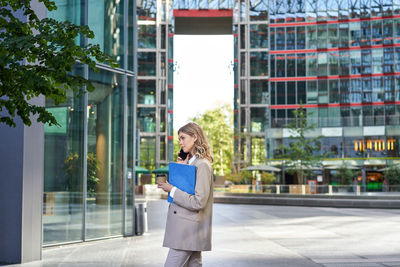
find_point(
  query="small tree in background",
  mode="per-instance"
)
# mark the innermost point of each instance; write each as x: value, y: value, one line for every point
x: 392, y: 175
x: 267, y: 178
x: 36, y: 58
x: 345, y: 175
x: 217, y: 125
x: 303, y: 153
x: 242, y: 177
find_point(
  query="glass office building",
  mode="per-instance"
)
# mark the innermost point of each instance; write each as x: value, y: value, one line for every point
x: 88, y: 183
x: 339, y: 58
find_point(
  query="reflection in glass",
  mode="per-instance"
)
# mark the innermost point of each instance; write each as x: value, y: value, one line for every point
x: 162, y: 148
x: 301, y: 37
x: 258, y: 10
x: 130, y: 175
x: 146, y: 63
x: 108, y: 29
x: 259, y: 64
x: 243, y: 91
x: 258, y: 36
x: 259, y: 118
x: 147, y: 10
x: 162, y: 119
x: 131, y: 39
x: 258, y: 150
x: 147, y: 36
x: 104, y: 161
x: 147, y: 92
x: 311, y: 37
x: 63, y: 173
x: 259, y: 92
x: 146, y: 119
x: 280, y: 38
x: 148, y: 152
x: 242, y: 64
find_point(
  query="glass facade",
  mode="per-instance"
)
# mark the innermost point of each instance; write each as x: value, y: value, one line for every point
x: 89, y: 164
x: 339, y: 59
x: 155, y: 82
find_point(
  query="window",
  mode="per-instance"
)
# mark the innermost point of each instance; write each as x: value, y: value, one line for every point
x: 258, y: 36
x: 301, y: 37
x: 258, y: 63
x: 146, y: 63
x: 312, y: 92
x: 147, y: 92
x: 259, y: 92
x: 259, y: 118
x: 147, y: 119
x: 311, y: 37
x: 333, y: 91
x: 290, y: 38
x: 147, y: 35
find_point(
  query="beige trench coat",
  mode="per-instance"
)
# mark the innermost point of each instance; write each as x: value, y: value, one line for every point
x: 189, y: 221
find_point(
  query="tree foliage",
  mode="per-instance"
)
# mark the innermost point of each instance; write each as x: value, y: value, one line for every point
x: 36, y: 58
x: 267, y: 178
x: 303, y: 153
x: 72, y: 166
x: 392, y: 174
x: 242, y: 177
x: 218, y: 128
x: 345, y: 175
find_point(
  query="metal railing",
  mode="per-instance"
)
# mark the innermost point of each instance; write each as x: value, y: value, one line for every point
x: 355, y: 190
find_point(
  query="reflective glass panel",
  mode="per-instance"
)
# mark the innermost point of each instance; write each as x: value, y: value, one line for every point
x: 259, y: 92
x: 63, y: 171
x: 106, y: 20
x: 259, y: 64
x: 147, y: 92
x: 147, y: 36
x: 258, y: 119
x: 148, y: 152
x: 258, y: 36
x: 258, y: 150
x: 130, y: 175
x: 104, y: 161
x: 146, y: 119
x: 146, y: 63
x: 147, y: 10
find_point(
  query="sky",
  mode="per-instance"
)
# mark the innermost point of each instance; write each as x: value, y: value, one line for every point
x: 203, y: 78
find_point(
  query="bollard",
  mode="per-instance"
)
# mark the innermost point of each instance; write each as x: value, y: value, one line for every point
x: 303, y: 189
x: 358, y: 190
x: 330, y: 190
x: 278, y: 189
x: 141, y: 218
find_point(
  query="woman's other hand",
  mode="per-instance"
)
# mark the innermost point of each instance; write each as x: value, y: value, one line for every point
x: 167, y: 187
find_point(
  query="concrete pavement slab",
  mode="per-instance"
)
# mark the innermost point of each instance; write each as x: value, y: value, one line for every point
x: 255, y: 235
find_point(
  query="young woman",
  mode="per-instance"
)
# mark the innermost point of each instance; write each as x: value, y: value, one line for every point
x: 189, y: 221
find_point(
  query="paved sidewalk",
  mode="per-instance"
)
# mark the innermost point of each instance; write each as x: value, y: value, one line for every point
x: 255, y: 235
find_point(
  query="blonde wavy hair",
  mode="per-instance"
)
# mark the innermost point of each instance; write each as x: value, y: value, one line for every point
x: 202, y: 149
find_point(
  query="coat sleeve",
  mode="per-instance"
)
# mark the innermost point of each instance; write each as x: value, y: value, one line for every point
x: 202, y: 190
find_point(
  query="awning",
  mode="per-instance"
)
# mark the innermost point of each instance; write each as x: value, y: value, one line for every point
x: 337, y: 167
x: 266, y: 168
x: 388, y: 167
x: 161, y: 170
x: 139, y: 169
